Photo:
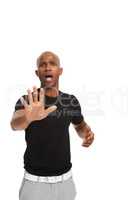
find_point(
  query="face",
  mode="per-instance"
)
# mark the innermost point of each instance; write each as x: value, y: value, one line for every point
x: 48, y: 70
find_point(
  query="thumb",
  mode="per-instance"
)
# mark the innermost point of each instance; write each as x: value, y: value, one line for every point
x: 84, y: 140
x: 50, y: 109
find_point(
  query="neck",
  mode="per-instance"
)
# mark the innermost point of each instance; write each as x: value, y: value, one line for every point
x: 51, y: 91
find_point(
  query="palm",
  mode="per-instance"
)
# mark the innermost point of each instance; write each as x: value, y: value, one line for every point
x: 35, y: 110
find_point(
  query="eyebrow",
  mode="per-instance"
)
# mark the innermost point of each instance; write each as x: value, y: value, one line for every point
x: 51, y: 61
x: 55, y: 57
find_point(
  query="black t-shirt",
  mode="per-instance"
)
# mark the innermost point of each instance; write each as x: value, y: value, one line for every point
x: 48, y: 144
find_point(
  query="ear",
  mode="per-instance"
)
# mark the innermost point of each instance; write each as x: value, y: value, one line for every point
x: 36, y: 72
x: 61, y: 71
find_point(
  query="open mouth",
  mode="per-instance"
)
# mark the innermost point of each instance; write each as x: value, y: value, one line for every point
x: 48, y: 77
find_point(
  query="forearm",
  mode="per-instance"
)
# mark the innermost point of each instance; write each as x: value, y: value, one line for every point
x: 84, y: 132
x: 83, y: 129
x: 19, y: 121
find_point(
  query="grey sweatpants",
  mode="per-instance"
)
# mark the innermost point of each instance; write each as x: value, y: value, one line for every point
x: 31, y: 190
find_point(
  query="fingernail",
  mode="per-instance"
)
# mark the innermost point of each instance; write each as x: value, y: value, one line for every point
x: 54, y: 106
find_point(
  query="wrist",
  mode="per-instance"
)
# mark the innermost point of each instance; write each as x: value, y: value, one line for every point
x: 27, y: 122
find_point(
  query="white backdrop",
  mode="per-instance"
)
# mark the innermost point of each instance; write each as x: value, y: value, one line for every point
x: 94, y: 40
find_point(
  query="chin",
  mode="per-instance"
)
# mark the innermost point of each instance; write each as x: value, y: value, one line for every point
x: 49, y: 85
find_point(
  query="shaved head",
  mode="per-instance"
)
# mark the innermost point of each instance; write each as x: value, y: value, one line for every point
x: 48, y: 69
x: 48, y: 54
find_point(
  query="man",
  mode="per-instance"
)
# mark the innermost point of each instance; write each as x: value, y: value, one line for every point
x: 45, y: 114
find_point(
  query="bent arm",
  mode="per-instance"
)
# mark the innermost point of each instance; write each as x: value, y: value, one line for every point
x: 19, y: 121
x: 82, y: 129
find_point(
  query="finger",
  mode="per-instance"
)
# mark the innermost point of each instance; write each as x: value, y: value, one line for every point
x: 84, y: 145
x: 23, y: 102
x: 50, y: 109
x: 35, y: 94
x: 90, y: 139
x: 90, y: 136
x: 41, y: 96
x: 87, y: 142
x: 30, y: 97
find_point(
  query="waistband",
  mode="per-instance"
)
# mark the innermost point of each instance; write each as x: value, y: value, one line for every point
x: 48, y: 179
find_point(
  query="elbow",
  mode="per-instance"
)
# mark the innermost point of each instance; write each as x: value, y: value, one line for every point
x: 12, y: 126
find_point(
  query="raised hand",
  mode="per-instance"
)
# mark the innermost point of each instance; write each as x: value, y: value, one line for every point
x: 35, y: 110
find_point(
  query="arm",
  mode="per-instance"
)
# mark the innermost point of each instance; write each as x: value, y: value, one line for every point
x: 84, y: 132
x: 19, y: 121
x: 33, y: 111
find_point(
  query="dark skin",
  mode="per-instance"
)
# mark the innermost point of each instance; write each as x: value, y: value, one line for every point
x: 85, y: 132
x: 49, y: 64
x: 48, y: 71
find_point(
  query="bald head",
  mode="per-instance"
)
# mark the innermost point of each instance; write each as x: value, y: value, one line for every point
x: 48, y: 54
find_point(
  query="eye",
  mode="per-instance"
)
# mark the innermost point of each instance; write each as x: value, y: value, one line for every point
x: 42, y: 64
x: 52, y: 63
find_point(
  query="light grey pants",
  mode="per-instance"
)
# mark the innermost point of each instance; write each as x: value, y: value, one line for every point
x: 31, y: 190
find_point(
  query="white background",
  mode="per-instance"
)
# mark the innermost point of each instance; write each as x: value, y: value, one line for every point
x: 94, y: 40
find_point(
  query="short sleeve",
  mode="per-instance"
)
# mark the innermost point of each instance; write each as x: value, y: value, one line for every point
x: 19, y: 104
x: 76, y: 112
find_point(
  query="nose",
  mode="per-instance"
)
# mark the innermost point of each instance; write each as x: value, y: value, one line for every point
x: 48, y: 67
